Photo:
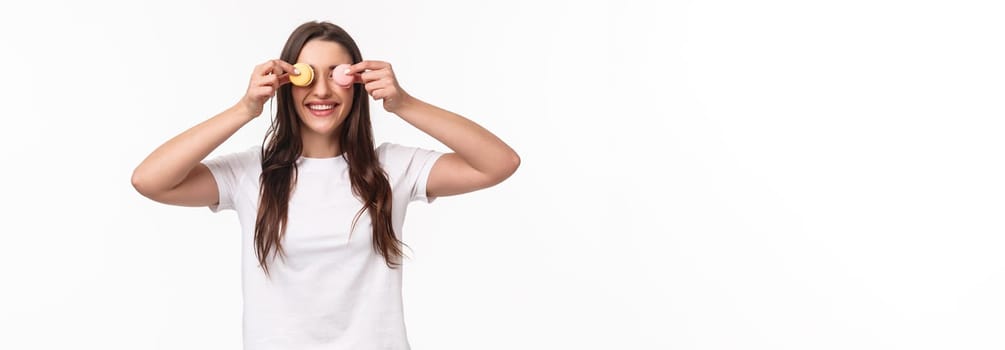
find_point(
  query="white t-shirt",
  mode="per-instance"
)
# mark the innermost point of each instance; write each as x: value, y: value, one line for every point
x: 333, y: 291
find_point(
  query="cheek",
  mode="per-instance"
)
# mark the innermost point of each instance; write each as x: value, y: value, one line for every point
x: 298, y: 94
x: 346, y: 95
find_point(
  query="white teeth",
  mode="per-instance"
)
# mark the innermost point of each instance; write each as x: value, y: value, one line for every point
x: 320, y: 107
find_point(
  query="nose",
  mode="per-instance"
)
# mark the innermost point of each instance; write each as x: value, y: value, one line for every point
x: 321, y: 88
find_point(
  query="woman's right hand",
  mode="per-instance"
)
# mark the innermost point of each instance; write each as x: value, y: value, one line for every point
x: 174, y: 173
x: 265, y: 81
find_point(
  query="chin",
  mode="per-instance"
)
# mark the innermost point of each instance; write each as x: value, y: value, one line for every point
x: 325, y: 125
x: 325, y: 129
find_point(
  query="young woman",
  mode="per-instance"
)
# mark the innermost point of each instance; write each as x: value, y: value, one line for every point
x: 321, y: 208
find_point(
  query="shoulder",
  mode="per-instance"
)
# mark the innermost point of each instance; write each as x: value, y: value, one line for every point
x: 241, y: 159
x: 390, y: 149
x: 399, y: 159
x: 250, y: 152
x: 390, y: 153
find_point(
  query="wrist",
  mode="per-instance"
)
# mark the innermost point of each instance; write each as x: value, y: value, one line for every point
x: 406, y: 104
x: 242, y: 110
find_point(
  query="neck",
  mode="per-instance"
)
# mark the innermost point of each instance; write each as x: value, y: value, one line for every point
x: 319, y: 146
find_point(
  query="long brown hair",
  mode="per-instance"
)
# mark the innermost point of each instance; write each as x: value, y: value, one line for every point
x: 282, y: 147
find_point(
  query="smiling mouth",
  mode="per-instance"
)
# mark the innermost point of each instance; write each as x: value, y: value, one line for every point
x: 322, y: 109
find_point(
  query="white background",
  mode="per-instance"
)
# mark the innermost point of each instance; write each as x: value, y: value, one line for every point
x: 696, y: 175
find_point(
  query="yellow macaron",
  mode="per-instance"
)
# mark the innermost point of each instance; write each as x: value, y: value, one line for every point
x: 306, y: 76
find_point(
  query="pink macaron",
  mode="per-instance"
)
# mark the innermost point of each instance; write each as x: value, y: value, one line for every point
x: 342, y: 79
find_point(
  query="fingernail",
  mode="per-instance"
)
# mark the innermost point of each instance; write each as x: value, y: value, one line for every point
x: 296, y: 71
x: 346, y: 71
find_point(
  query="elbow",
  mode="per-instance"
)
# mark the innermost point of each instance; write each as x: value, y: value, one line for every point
x: 141, y: 184
x: 514, y: 163
x: 508, y: 167
x: 137, y: 181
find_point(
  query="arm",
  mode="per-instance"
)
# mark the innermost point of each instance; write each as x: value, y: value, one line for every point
x: 479, y: 158
x: 173, y: 173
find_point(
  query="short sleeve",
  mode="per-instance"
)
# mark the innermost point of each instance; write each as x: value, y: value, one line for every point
x: 408, y: 169
x: 229, y: 170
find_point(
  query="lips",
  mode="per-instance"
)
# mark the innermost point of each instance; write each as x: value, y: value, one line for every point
x: 320, y: 109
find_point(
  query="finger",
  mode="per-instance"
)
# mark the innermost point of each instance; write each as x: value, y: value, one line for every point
x: 263, y: 69
x: 382, y: 74
x: 273, y: 82
x: 369, y: 76
x: 285, y: 66
x: 270, y: 80
x: 358, y: 78
x: 378, y: 94
x: 376, y: 85
x: 283, y: 79
x: 368, y: 65
x: 386, y: 95
x: 277, y: 69
x: 262, y: 93
x: 266, y: 91
x: 276, y: 80
x: 270, y: 67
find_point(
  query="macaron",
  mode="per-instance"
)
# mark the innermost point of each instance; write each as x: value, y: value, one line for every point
x: 306, y: 76
x: 342, y: 79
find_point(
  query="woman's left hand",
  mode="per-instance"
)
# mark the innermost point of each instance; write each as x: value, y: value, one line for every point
x: 379, y: 81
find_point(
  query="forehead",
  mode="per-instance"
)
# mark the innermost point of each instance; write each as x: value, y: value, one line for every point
x: 323, y: 53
